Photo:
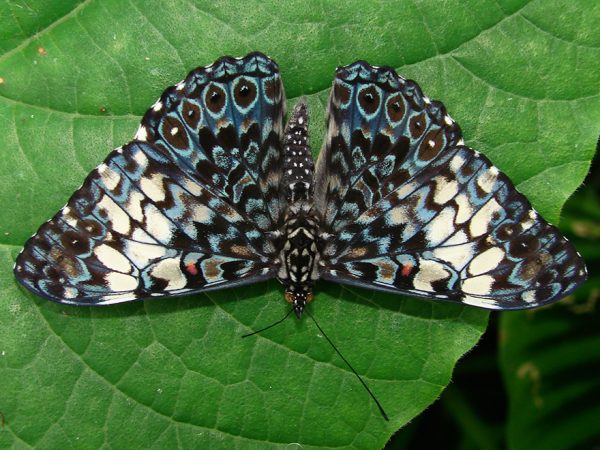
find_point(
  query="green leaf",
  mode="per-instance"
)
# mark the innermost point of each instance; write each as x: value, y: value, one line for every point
x: 550, y: 363
x: 520, y: 78
x: 549, y: 357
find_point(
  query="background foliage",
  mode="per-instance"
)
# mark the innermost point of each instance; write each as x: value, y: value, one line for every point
x: 75, y: 77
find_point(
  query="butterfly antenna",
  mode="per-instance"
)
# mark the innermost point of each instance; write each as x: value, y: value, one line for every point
x: 270, y: 326
x: 381, y: 410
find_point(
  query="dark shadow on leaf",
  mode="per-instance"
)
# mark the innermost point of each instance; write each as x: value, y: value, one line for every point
x: 410, y: 306
x: 159, y: 305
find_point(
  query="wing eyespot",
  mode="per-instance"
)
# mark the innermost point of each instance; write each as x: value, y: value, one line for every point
x: 368, y: 100
x: 417, y: 125
x: 215, y: 99
x: 191, y: 114
x: 244, y: 92
x: 395, y: 109
x: 341, y: 93
x: 272, y: 89
x: 174, y: 133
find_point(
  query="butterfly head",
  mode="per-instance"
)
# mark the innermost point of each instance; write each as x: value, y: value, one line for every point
x: 298, y: 296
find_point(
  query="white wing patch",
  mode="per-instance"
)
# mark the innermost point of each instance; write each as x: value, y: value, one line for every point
x: 168, y: 270
x: 116, y: 281
x: 482, y: 219
x: 480, y: 285
x: 486, y: 261
x: 153, y: 187
x: 112, y: 258
x: 444, y: 190
x: 429, y: 271
x: 118, y: 217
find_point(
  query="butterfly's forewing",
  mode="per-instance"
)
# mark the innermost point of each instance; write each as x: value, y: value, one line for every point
x: 182, y: 208
x: 223, y: 124
x: 415, y: 211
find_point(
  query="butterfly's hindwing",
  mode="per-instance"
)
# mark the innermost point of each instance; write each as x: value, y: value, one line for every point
x: 182, y: 208
x: 415, y: 211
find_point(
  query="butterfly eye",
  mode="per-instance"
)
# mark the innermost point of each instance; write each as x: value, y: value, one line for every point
x: 244, y: 92
x: 368, y: 100
x: 215, y: 99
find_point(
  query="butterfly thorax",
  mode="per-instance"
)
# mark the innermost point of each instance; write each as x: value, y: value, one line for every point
x: 299, y: 256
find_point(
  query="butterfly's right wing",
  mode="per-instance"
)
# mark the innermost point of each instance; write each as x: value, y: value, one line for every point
x: 410, y: 209
x: 185, y: 207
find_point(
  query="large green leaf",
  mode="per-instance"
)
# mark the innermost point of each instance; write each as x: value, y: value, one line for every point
x: 550, y: 362
x: 75, y: 79
x: 549, y: 357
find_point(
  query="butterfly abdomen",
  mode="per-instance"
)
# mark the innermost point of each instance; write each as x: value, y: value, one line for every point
x: 298, y: 166
x: 299, y: 255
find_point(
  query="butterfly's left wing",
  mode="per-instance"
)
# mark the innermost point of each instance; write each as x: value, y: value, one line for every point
x: 411, y: 209
x: 187, y: 206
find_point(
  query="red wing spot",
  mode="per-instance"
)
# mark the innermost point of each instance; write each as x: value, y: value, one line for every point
x: 406, y: 270
x: 191, y: 268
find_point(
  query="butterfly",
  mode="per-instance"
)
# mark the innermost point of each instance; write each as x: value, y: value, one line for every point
x: 216, y: 191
